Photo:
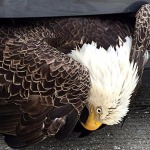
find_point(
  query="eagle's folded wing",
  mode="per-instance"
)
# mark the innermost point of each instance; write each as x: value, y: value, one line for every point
x: 42, y: 90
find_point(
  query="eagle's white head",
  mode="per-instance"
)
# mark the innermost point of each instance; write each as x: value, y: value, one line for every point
x: 113, y: 80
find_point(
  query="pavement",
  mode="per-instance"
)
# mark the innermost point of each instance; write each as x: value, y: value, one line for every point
x: 134, y: 135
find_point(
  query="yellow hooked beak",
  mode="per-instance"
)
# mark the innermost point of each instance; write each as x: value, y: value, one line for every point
x: 91, y: 124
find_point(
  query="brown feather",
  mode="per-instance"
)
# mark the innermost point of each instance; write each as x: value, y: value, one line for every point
x: 42, y: 90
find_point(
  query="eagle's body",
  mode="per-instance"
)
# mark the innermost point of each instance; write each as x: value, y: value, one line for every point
x: 44, y: 86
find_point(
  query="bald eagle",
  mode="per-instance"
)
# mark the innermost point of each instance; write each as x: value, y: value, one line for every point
x: 51, y: 68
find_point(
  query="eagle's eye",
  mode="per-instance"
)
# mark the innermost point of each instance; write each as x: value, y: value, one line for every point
x: 99, y: 110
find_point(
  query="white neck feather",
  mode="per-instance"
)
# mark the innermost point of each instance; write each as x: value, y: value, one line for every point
x: 113, y: 77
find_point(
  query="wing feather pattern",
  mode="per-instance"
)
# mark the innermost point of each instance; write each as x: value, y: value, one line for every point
x: 40, y: 89
x: 141, y: 37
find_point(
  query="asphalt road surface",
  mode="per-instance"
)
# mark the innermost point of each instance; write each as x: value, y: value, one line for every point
x: 134, y: 135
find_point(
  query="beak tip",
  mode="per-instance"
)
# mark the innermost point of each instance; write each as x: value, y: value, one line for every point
x: 90, y: 126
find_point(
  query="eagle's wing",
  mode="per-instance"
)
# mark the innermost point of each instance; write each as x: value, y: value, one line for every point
x: 141, y: 38
x: 104, y: 30
x: 42, y: 91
